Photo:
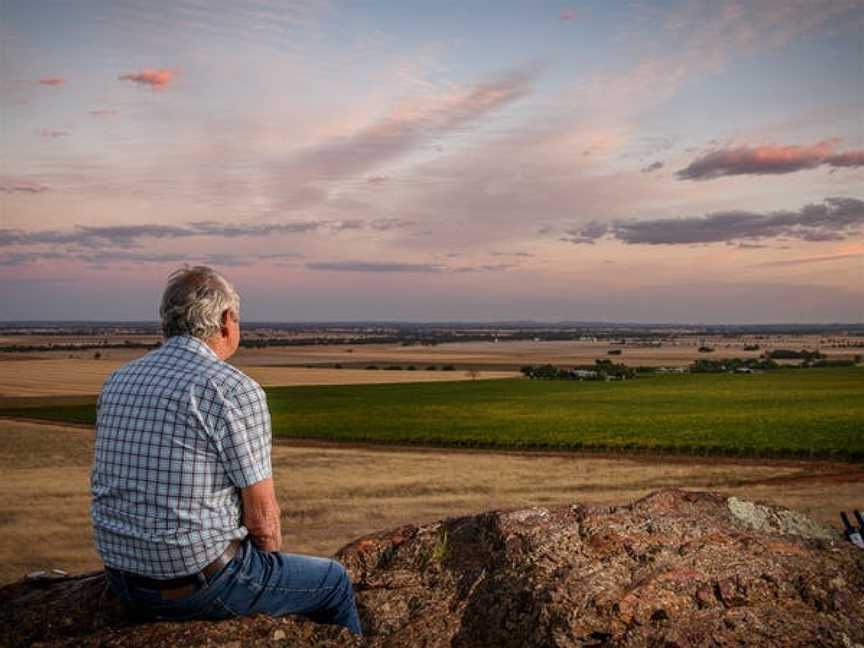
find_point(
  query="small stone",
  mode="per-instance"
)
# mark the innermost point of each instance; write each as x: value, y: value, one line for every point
x: 279, y: 635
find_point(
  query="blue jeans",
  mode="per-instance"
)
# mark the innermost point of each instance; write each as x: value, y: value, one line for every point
x: 254, y: 582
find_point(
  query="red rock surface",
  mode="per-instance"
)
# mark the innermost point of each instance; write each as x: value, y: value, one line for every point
x: 673, y: 569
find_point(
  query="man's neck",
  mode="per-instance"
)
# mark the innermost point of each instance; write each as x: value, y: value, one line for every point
x: 219, y: 346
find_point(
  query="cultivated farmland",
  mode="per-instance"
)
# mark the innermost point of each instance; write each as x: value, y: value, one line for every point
x: 791, y: 412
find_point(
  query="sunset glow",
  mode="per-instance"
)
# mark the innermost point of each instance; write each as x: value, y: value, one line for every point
x: 690, y: 161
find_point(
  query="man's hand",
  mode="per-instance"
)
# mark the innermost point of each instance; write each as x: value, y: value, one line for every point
x: 261, y: 515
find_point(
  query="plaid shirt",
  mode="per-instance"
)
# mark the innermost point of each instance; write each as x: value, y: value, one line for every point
x: 178, y: 432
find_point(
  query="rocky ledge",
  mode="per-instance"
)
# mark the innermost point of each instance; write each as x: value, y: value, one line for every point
x: 673, y: 569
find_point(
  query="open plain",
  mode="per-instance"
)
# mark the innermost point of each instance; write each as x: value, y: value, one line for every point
x: 333, y: 492
x: 49, y: 372
x: 330, y: 493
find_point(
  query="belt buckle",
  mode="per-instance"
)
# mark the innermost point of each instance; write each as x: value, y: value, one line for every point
x: 180, y: 592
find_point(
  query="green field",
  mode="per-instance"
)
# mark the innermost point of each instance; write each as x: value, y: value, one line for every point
x: 813, y: 412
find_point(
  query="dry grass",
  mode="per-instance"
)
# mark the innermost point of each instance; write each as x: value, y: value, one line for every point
x: 331, y: 494
x: 77, y: 376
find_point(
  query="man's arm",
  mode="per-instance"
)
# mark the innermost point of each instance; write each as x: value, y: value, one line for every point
x: 261, y: 515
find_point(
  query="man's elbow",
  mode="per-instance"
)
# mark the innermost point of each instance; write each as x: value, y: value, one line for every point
x: 261, y: 515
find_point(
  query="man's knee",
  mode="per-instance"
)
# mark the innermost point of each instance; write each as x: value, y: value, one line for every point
x: 342, y: 579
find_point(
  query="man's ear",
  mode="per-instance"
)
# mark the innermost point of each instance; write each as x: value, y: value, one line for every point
x: 226, y: 315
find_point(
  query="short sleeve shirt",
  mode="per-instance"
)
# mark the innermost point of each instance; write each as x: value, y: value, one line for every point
x: 178, y: 433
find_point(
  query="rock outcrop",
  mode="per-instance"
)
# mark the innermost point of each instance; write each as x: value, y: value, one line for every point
x: 673, y: 569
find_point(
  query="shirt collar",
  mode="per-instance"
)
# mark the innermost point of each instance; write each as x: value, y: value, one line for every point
x: 192, y: 344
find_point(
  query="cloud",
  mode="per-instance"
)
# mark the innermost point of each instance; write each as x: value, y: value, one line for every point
x: 406, y: 127
x: 586, y: 234
x: 102, y: 258
x: 385, y: 224
x: 50, y: 132
x: 848, y: 159
x: 156, y: 79
x: 372, y: 266
x: 104, y: 112
x: 833, y: 220
x: 655, y: 166
x: 21, y: 187
x: 768, y: 159
x: 54, y: 81
x: 209, y: 228
x: 568, y: 15
x: 809, y: 260
x: 487, y: 267
x: 129, y: 236
x: 24, y: 258
x: 512, y: 254
x: 377, y: 179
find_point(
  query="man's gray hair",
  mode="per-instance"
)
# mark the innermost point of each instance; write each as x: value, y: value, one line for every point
x: 194, y: 302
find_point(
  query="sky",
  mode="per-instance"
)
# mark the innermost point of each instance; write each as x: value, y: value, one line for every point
x: 695, y: 161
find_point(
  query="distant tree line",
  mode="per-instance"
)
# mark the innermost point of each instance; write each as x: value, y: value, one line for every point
x: 703, y: 365
x: 602, y: 369
x: 126, y: 344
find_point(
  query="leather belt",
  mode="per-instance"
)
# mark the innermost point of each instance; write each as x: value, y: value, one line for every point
x: 184, y: 585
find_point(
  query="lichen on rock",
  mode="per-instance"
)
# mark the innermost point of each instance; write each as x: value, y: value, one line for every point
x: 779, y: 520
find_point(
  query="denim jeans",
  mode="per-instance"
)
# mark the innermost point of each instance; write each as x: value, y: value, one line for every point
x: 254, y: 582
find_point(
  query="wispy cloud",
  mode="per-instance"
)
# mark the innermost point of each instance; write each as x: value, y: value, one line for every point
x: 25, y: 258
x: 769, y: 159
x: 399, y: 267
x: 521, y: 254
x: 54, y: 81
x: 52, y: 132
x: 833, y: 220
x: 373, y: 266
x: 568, y: 15
x: 103, y: 112
x: 117, y: 257
x: 156, y: 79
x: 405, y: 128
x: 385, y: 224
x: 654, y: 166
x: 485, y: 267
x: 21, y: 186
x: 809, y: 260
x: 127, y: 236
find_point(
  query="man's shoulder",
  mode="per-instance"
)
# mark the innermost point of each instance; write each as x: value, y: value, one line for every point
x: 188, y: 361
x: 234, y: 380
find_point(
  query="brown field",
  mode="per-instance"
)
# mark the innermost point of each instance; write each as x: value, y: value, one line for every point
x: 67, y: 377
x: 510, y: 354
x: 332, y: 494
x: 50, y: 373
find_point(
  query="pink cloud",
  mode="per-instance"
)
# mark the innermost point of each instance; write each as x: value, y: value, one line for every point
x: 156, y: 79
x: 568, y: 15
x: 55, y: 81
x: 769, y: 159
x: 847, y: 159
x: 104, y: 112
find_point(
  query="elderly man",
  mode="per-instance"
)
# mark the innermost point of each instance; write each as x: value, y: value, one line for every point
x: 184, y: 509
